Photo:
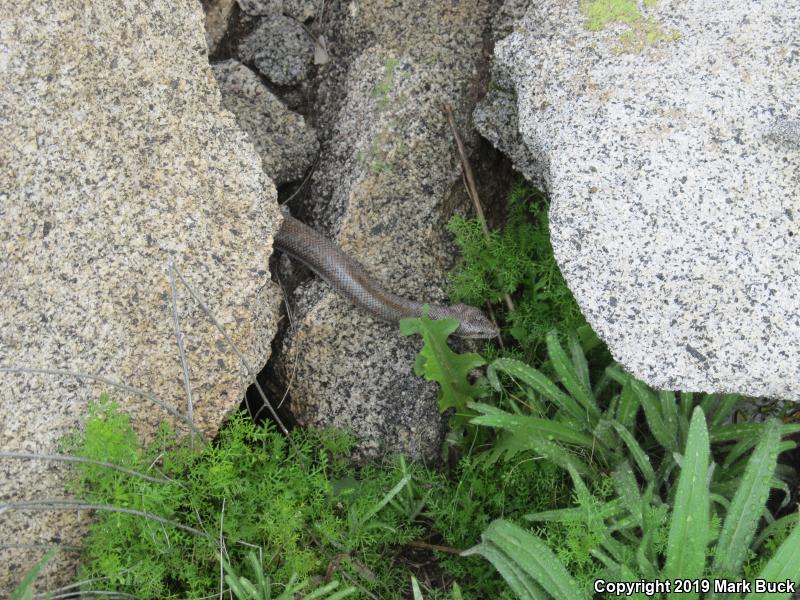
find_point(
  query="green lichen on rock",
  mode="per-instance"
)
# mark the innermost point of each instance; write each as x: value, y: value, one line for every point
x: 644, y: 31
x: 647, y: 32
x: 384, y: 86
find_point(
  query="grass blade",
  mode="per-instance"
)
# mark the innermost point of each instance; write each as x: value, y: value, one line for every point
x: 539, y: 382
x: 570, y: 378
x: 652, y: 412
x: 689, y: 527
x: 747, y: 505
x: 725, y: 409
x: 524, y: 425
x: 628, y: 490
x: 628, y: 406
x: 642, y: 460
x: 782, y: 566
x: 579, y: 361
x: 24, y: 591
x: 415, y: 589
x: 525, y: 562
x: 669, y: 414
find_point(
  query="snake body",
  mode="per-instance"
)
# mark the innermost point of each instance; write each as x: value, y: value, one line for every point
x: 349, y: 279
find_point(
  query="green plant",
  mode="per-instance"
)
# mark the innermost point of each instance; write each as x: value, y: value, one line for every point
x: 244, y: 589
x: 24, y: 591
x: 518, y: 261
x: 696, y: 544
x: 461, y: 507
x: 621, y: 443
x: 302, y: 503
x: 594, y: 429
x: 455, y: 593
x: 437, y: 362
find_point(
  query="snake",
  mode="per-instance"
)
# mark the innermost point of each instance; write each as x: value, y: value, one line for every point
x: 348, y: 278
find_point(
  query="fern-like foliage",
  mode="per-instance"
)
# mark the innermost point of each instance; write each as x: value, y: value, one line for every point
x: 518, y: 261
x: 299, y: 502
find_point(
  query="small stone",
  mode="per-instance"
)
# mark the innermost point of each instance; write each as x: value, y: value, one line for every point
x: 287, y: 146
x: 259, y: 8
x: 280, y: 49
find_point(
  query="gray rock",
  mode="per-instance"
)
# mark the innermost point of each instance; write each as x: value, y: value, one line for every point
x: 280, y: 49
x: 218, y: 13
x: 117, y: 155
x: 286, y: 144
x: 302, y: 10
x: 496, y: 120
x: 258, y: 8
x: 386, y: 183
x: 674, y: 183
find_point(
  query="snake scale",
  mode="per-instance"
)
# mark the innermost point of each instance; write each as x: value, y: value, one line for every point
x: 349, y: 279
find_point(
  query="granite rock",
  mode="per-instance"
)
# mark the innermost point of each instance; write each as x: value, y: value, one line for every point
x: 387, y: 181
x: 286, y: 144
x: 117, y: 156
x: 302, y: 10
x: 218, y: 13
x: 280, y: 49
x: 669, y: 148
x: 259, y: 8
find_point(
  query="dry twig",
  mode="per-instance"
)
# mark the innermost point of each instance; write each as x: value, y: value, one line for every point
x: 472, y: 188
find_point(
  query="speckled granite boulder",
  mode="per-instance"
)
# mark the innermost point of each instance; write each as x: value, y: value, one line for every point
x: 280, y: 49
x: 286, y: 144
x: 116, y: 156
x: 675, y: 185
x: 384, y: 190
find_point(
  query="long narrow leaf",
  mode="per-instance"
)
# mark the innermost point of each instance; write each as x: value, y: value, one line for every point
x: 529, y: 426
x: 415, y: 589
x: 628, y: 406
x: 669, y: 414
x: 652, y: 412
x: 782, y: 566
x: 776, y: 528
x: 628, y: 490
x: 745, y: 510
x: 24, y: 591
x: 541, y: 384
x: 689, y: 527
x: 725, y: 409
x: 553, y: 452
x: 524, y: 559
x: 570, y: 378
x: 579, y: 360
x: 732, y: 433
x: 642, y: 460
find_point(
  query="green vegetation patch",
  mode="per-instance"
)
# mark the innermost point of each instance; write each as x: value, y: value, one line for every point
x: 516, y: 260
x: 384, y: 86
x: 644, y: 30
x: 295, y: 502
x: 255, y: 510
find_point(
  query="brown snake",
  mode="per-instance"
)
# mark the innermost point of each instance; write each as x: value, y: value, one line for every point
x: 349, y: 279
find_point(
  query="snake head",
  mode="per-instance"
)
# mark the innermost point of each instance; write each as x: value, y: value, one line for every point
x: 473, y: 323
